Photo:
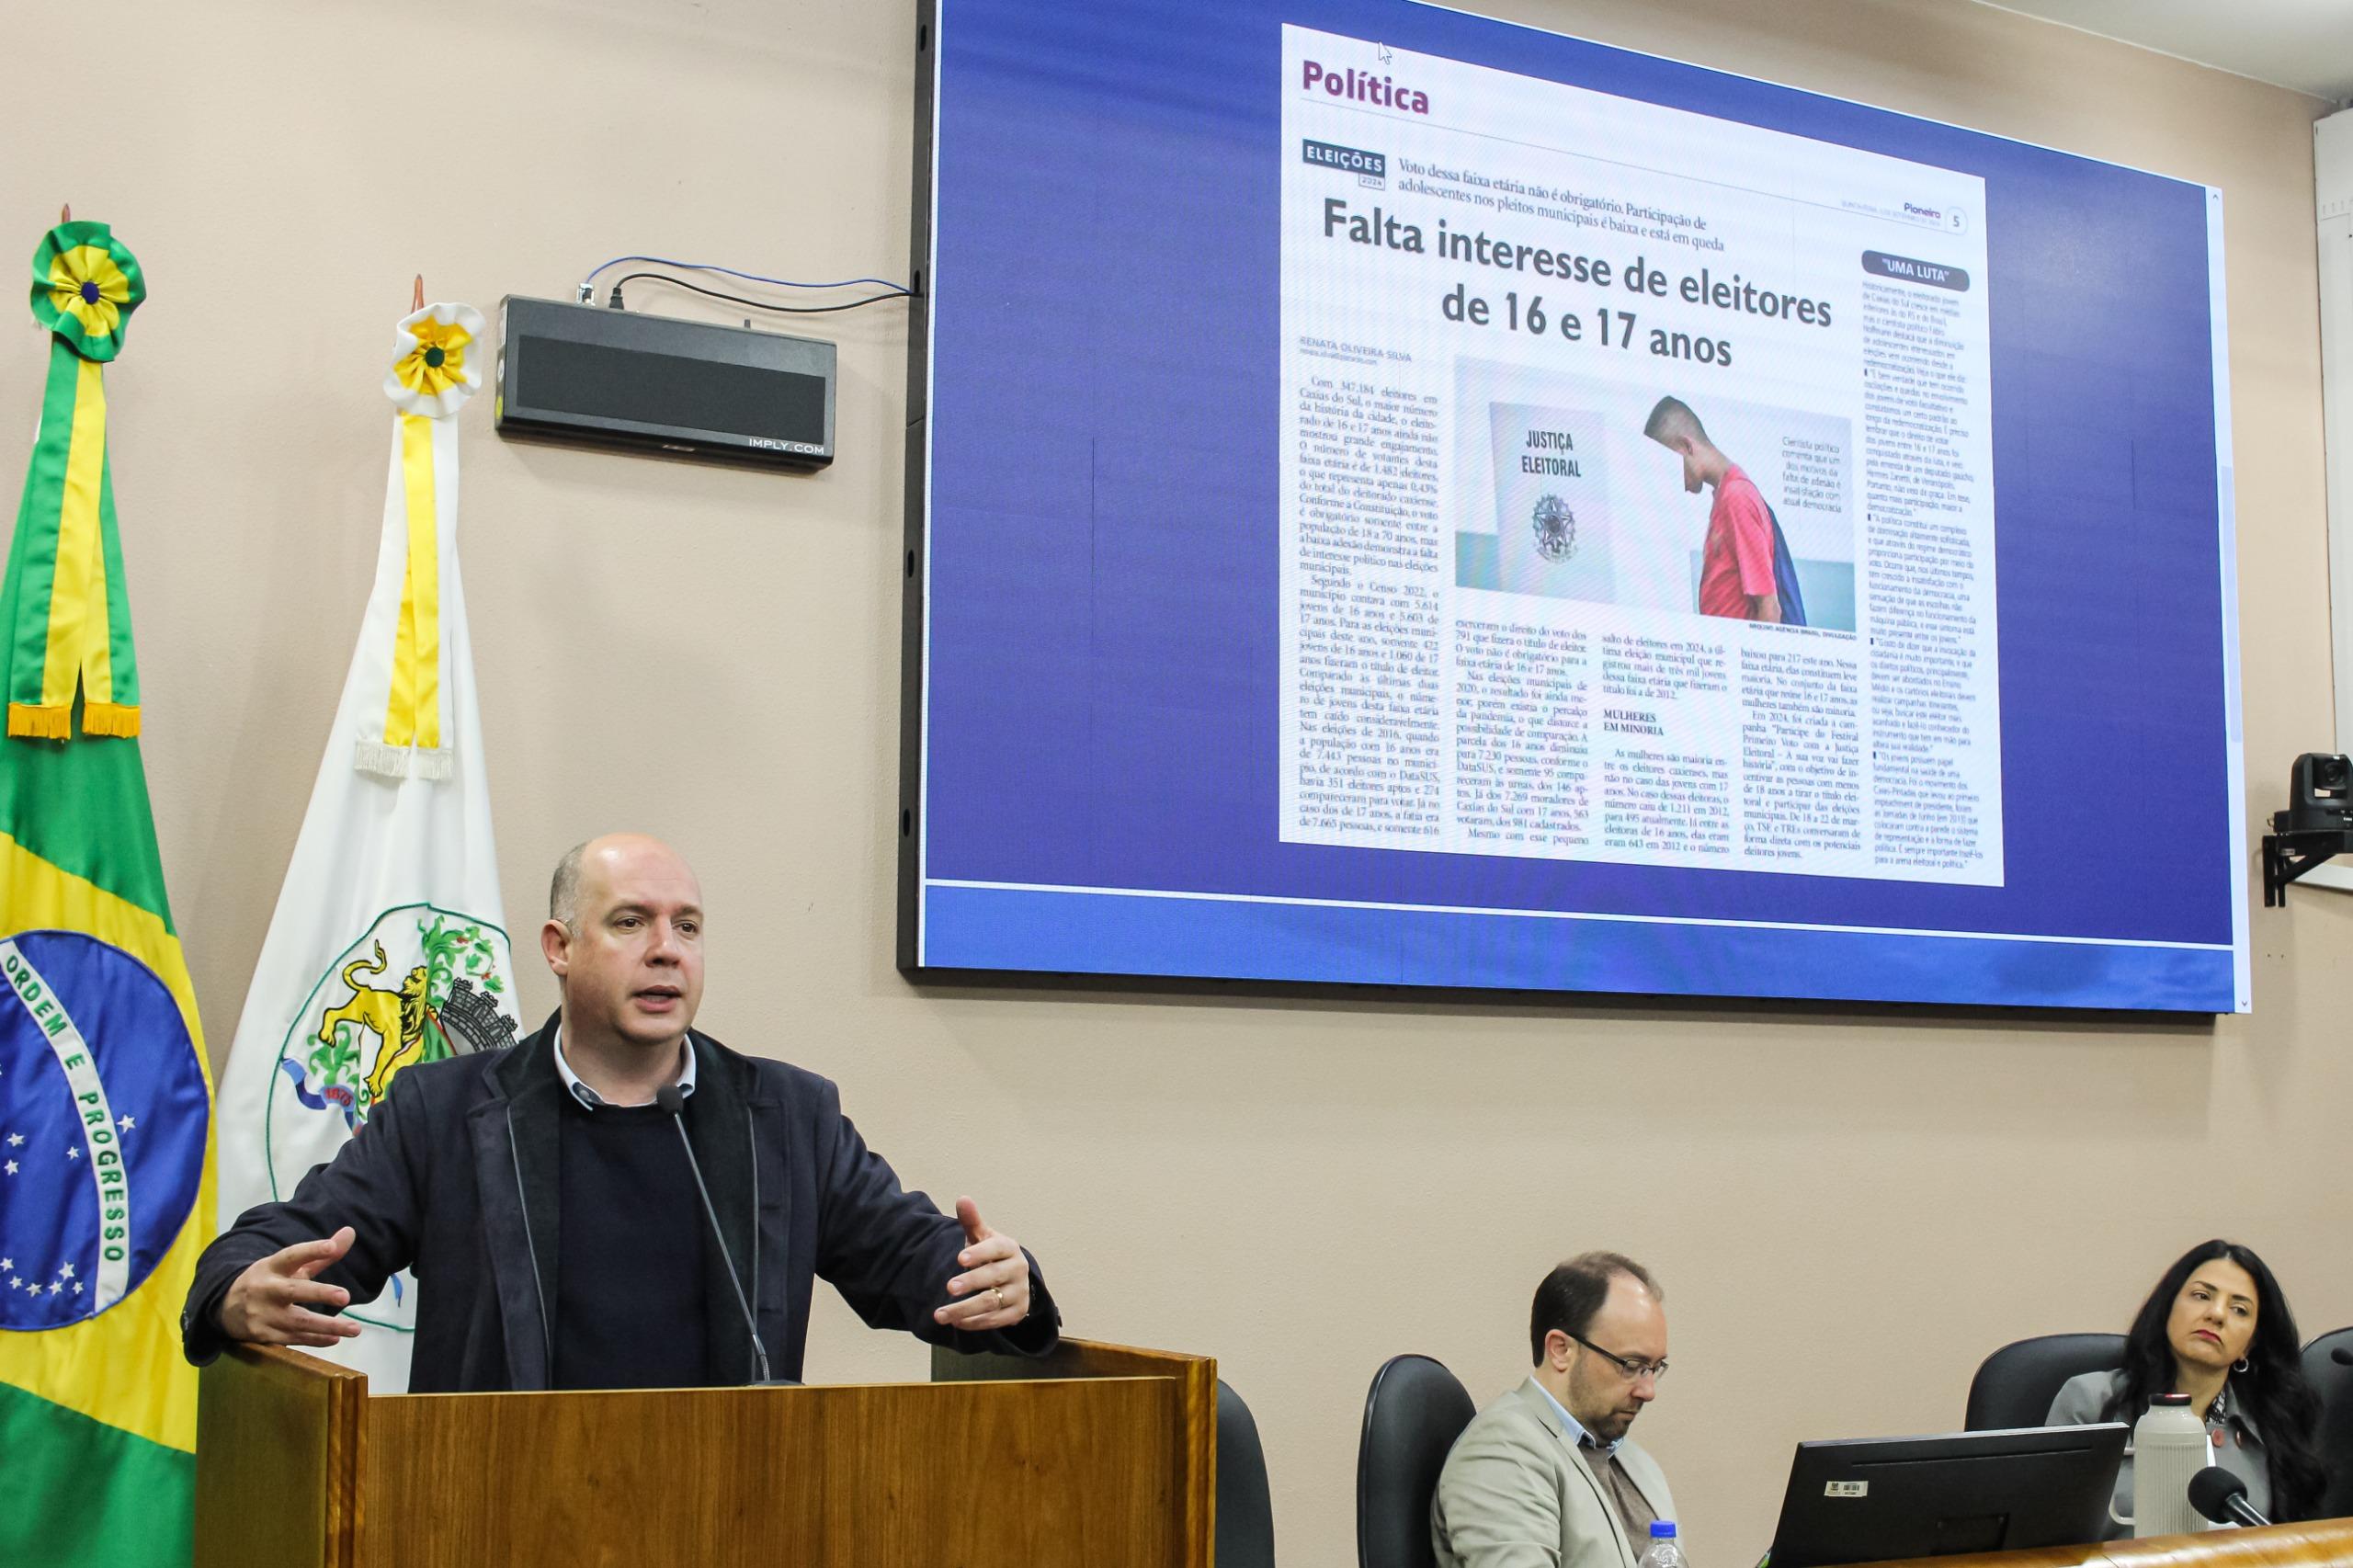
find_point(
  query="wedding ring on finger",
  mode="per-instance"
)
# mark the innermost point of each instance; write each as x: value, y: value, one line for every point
x: 998, y: 1291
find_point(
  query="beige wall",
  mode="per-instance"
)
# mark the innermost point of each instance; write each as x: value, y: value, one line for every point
x: 1848, y: 1210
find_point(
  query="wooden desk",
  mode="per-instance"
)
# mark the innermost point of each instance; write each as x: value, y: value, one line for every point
x: 2323, y: 1543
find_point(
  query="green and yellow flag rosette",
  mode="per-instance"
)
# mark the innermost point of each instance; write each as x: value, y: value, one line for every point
x: 63, y: 609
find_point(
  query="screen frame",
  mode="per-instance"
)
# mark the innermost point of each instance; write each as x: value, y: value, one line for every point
x: 913, y: 857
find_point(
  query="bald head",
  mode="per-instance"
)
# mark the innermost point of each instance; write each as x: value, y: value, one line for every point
x: 610, y: 851
x: 624, y: 939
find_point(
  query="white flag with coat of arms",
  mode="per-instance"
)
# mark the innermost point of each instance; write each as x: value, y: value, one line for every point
x: 389, y: 946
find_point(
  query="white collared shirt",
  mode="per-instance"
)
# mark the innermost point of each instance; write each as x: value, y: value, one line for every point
x: 595, y: 1101
x: 1569, y: 1423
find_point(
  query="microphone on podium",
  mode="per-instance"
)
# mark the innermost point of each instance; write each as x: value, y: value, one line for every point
x: 2221, y: 1497
x: 673, y: 1101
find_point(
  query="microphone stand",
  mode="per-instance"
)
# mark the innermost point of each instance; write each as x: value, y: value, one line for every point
x: 672, y: 1102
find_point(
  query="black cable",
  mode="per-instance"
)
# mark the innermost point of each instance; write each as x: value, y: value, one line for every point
x: 751, y: 304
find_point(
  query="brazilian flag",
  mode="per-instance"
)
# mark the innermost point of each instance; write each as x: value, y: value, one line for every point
x: 106, y: 1106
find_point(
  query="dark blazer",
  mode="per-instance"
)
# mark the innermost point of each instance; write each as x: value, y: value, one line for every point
x: 455, y: 1177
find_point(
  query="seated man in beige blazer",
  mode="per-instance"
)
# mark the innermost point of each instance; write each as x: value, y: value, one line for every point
x: 1545, y: 1476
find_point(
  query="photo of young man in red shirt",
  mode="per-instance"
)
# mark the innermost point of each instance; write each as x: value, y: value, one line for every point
x: 1737, y: 563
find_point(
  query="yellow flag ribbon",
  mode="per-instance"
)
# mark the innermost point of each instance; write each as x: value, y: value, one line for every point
x: 64, y: 616
x: 432, y: 376
x: 412, y: 715
x: 69, y: 624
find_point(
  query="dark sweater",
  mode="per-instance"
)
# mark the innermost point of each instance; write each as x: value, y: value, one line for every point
x: 630, y: 1294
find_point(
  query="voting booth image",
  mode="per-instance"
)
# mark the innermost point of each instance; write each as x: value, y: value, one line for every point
x: 1568, y: 499
x: 1552, y: 524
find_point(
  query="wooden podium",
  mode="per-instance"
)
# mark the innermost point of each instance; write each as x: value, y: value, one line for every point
x: 1096, y: 1455
x: 2324, y: 1543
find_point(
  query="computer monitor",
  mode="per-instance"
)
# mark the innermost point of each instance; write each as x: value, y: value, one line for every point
x: 1871, y: 1499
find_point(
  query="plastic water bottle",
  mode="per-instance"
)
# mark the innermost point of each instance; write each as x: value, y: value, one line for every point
x: 1665, y: 1550
x: 2169, y: 1446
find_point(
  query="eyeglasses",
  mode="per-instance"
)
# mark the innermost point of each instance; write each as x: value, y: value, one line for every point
x: 1635, y: 1371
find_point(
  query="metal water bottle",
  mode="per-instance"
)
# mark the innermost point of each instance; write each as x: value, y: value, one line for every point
x: 2168, y: 1447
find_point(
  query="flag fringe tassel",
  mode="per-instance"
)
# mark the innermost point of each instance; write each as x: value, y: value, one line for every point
x: 109, y: 719
x: 400, y: 762
x: 40, y: 722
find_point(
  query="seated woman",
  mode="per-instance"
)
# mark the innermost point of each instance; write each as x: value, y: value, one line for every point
x: 2217, y: 1329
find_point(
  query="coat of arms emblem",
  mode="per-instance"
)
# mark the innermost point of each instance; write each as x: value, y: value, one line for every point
x: 452, y: 999
x: 1556, y: 529
x: 420, y: 984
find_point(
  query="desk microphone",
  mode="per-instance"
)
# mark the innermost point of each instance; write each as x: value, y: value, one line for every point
x: 673, y: 1101
x: 2221, y: 1497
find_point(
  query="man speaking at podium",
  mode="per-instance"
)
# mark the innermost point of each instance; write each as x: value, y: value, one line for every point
x: 544, y: 1196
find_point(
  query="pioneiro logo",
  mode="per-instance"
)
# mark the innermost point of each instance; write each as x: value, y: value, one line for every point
x: 1348, y: 160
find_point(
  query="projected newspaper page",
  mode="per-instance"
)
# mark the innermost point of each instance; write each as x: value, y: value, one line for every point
x: 1636, y: 483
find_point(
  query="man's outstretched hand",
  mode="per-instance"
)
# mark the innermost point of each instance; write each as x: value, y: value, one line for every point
x: 994, y: 1291
x: 271, y: 1301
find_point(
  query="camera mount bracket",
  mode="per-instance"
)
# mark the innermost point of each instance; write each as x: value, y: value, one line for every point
x: 2289, y: 854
